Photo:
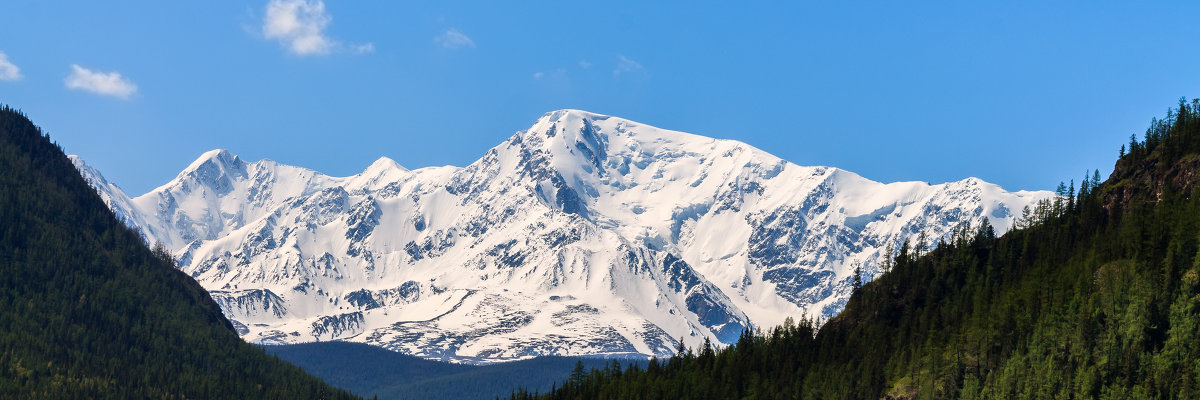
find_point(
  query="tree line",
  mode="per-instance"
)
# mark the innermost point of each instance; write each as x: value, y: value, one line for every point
x: 1094, y: 294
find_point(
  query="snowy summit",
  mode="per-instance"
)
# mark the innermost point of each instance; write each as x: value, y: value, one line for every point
x: 583, y: 235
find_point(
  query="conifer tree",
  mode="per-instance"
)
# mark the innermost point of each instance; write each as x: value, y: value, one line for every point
x: 886, y: 264
x: 857, y: 282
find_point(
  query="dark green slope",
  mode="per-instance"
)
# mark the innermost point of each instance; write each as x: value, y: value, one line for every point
x: 372, y: 371
x: 1097, y: 296
x: 87, y: 311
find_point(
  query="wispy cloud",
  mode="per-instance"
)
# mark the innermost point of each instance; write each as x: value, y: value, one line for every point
x: 585, y: 64
x: 101, y: 83
x: 454, y: 39
x: 8, y: 70
x: 557, y: 74
x: 299, y: 25
x: 627, y: 66
x: 363, y: 48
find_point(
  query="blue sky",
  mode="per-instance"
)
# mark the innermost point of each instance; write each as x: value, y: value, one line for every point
x: 1020, y: 94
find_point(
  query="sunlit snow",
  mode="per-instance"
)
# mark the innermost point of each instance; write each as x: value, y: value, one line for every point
x: 585, y: 234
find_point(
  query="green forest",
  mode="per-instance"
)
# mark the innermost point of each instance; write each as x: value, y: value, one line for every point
x: 1096, y: 294
x: 88, y: 311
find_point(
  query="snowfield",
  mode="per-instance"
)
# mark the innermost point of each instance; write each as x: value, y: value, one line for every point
x: 582, y: 235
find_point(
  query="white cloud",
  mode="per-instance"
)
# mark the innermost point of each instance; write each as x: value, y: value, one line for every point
x: 8, y: 70
x: 453, y: 39
x: 585, y: 64
x: 626, y: 65
x: 363, y: 48
x: 102, y: 83
x: 555, y: 74
x: 299, y: 25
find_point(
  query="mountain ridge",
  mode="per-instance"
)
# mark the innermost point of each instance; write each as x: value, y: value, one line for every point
x: 580, y: 232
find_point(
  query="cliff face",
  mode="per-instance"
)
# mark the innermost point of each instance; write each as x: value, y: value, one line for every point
x: 1149, y: 178
x: 1166, y: 161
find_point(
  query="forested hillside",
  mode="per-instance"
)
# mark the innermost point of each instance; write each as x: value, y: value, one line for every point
x: 371, y: 371
x: 1095, y: 296
x: 87, y: 311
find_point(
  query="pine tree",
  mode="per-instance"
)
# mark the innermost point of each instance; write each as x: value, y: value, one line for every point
x: 922, y: 244
x: 1070, y: 202
x: 1060, y: 194
x: 887, y: 263
x: 1084, y: 185
x: 577, y: 373
x: 857, y: 283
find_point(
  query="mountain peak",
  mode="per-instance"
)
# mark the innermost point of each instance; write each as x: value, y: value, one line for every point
x: 214, y: 168
x: 220, y: 156
x: 571, y: 141
x: 383, y: 164
x: 214, y: 161
x: 567, y: 114
x: 87, y: 170
x: 571, y: 125
x: 381, y: 172
x: 567, y: 126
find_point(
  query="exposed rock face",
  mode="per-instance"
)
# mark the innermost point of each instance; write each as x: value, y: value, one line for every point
x: 585, y: 234
x: 1143, y: 179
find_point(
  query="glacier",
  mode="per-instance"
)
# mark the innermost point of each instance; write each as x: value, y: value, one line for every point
x: 585, y: 234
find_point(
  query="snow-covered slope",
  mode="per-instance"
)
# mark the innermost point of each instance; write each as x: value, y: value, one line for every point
x: 585, y: 234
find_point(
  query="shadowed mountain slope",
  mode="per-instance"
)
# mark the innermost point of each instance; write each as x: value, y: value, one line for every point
x: 87, y: 311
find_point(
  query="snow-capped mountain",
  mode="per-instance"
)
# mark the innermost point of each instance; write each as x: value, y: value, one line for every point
x: 585, y: 234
